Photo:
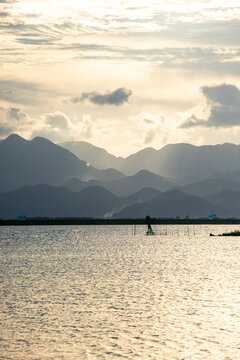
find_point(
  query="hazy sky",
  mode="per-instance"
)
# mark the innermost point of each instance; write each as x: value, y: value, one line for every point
x: 122, y: 75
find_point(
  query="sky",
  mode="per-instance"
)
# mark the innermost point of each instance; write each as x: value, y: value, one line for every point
x: 122, y: 75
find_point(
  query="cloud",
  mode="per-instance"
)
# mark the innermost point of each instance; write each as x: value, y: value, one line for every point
x: 4, y: 13
x: 191, y: 58
x: 223, y: 94
x: 13, y: 114
x: 224, y: 104
x: 117, y: 97
x: 16, y: 114
x: 58, y: 120
x: 33, y: 41
x: 148, y: 121
x: 149, y: 136
x: 12, y: 119
x: 20, y: 92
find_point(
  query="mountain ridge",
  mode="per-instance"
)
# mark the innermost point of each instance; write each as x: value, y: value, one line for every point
x: 36, y: 161
x: 178, y: 160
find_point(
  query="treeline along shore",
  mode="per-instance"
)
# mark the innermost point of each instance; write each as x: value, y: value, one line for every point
x: 73, y: 221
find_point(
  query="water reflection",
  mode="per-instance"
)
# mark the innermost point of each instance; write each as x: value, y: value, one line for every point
x: 99, y: 292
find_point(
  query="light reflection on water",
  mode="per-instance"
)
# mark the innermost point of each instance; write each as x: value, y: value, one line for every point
x: 98, y: 292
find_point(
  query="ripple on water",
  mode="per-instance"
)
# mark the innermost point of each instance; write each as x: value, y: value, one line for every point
x: 100, y: 293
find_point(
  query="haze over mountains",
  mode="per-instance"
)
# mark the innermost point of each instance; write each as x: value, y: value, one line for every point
x: 40, y: 178
x: 127, y: 185
x: 93, y: 155
x: 173, y: 160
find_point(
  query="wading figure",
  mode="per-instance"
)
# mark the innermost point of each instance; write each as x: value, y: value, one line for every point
x: 149, y: 230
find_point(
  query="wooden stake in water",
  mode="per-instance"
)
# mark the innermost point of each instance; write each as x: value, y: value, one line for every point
x: 134, y: 229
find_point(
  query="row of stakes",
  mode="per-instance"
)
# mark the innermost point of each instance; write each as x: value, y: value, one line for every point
x: 185, y: 230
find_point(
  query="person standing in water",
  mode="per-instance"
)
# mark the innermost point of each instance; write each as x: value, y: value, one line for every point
x: 149, y: 230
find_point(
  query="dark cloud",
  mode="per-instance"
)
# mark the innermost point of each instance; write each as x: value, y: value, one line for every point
x: 223, y: 94
x: 4, y: 14
x: 33, y: 41
x: 16, y: 114
x: 31, y: 34
x: 117, y: 97
x: 57, y: 120
x: 224, y: 102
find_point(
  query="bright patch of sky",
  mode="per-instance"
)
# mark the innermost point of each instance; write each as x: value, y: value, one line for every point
x: 107, y: 66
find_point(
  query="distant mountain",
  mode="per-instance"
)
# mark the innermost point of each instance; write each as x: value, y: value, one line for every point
x: 209, y: 187
x: 75, y: 184
x: 127, y: 185
x: 184, y: 162
x: 97, y: 202
x: 48, y: 201
x: 40, y: 161
x: 227, y: 198
x: 97, y: 157
x: 230, y: 176
x: 171, y: 204
x: 140, y: 196
x: 109, y: 175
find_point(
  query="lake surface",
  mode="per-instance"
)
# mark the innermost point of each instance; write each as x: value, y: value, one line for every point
x: 100, y: 292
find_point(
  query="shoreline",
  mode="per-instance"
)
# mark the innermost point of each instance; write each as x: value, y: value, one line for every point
x: 70, y: 221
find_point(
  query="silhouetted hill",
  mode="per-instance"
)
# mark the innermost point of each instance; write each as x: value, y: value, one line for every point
x: 140, y: 180
x: 178, y: 161
x: 127, y: 185
x: 97, y: 157
x: 109, y: 175
x: 140, y: 196
x: 230, y: 176
x: 39, y: 161
x: 76, y: 184
x: 172, y: 204
x: 209, y: 187
x: 48, y: 201
x: 229, y: 199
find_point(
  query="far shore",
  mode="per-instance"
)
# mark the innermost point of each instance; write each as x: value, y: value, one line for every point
x: 91, y: 221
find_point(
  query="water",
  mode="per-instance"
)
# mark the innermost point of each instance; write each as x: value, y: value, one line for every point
x: 98, y: 292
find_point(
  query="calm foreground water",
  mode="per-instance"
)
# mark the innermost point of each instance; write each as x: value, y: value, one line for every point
x: 99, y: 292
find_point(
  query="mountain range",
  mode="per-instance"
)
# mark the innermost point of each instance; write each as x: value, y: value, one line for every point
x: 97, y: 202
x: 127, y: 185
x: 172, y: 204
x: 52, y: 201
x: 177, y: 161
x: 40, y: 161
x: 40, y: 178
